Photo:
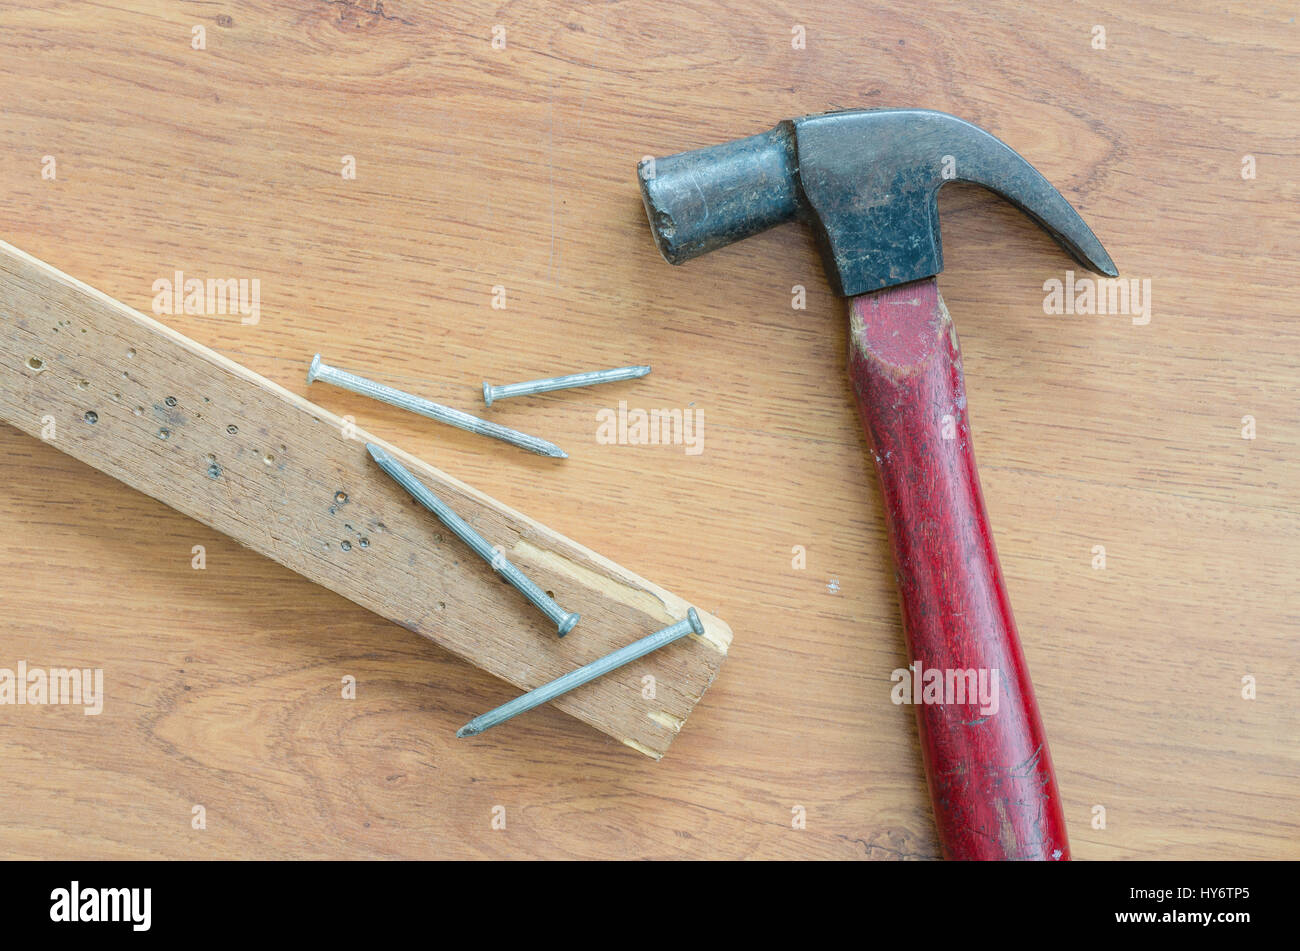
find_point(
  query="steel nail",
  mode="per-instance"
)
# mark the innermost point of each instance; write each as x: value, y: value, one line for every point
x: 564, y: 621
x: 590, y: 378
x: 417, y: 404
x: 597, y: 668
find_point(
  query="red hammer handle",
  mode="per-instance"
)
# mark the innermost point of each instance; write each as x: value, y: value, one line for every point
x: 988, y: 767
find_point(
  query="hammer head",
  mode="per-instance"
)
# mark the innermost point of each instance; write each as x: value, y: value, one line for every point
x: 866, y: 181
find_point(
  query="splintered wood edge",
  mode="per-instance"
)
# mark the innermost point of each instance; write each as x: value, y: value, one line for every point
x: 282, y: 508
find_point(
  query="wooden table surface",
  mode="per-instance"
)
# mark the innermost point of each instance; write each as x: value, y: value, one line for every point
x: 1150, y: 548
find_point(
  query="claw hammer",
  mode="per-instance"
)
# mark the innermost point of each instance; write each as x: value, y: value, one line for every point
x: 867, y: 183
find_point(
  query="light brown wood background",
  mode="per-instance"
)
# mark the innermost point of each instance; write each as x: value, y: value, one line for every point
x: 479, y: 167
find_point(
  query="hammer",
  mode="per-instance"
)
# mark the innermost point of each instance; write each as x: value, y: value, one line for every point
x: 867, y: 183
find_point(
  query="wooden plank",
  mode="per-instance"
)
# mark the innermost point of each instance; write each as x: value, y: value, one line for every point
x: 183, y: 424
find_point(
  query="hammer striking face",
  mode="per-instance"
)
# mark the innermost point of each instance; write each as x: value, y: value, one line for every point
x: 866, y: 182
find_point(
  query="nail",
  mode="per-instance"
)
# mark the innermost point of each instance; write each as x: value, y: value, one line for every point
x: 564, y: 621
x: 597, y: 668
x: 416, y: 404
x: 590, y: 378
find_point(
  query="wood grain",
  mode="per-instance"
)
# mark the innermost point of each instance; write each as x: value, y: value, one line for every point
x: 481, y: 167
x: 116, y: 389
